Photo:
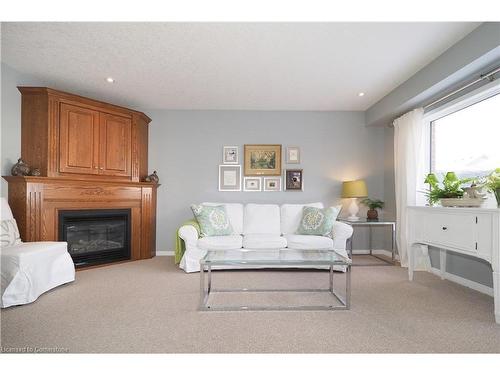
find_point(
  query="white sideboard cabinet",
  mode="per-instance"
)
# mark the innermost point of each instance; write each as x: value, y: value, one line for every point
x: 470, y: 231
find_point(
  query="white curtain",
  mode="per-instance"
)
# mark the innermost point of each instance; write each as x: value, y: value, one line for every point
x: 409, y: 172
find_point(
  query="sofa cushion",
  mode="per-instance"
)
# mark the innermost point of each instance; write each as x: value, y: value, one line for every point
x: 291, y: 214
x: 234, y: 212
x: 261, y: 219
x: 231, y: 242
x: 301, y: 242
x: 213, y: 220
x: 318, y: 221
x: 263, y: 241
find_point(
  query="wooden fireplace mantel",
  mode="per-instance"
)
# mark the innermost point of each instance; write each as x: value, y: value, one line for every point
x: 36, y: 201
x: 89, y: 155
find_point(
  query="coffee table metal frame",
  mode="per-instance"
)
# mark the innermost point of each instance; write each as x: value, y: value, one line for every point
x: 206, y: 289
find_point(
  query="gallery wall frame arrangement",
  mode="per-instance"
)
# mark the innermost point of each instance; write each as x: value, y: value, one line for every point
x: 272, y: 183
x: 293, y: 155
x: 229, y: 177
x: 294, y: 180
x: 252, y: 184
x: 230, y: 155
x: 262, y: 160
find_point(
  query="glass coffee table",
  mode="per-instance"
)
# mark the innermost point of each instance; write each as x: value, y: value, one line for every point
x: 273, y: 259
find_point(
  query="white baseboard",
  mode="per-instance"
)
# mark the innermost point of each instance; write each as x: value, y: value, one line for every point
x: 464, y: 282
x: 165, y: 253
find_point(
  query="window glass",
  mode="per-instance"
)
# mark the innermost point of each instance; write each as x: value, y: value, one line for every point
x: 467, y: 142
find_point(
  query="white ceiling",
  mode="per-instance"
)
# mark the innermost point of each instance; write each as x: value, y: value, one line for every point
x: 242, y: 66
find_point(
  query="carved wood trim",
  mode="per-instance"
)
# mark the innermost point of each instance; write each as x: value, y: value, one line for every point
x: 34, y: 208
x: 53, y: 137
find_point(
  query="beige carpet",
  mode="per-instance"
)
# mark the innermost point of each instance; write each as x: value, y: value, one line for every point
x: 151, y: 306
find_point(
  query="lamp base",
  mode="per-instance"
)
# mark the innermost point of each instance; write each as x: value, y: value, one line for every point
x: 353, y: 210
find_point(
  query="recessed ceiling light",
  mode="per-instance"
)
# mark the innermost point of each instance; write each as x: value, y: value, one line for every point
x: 110, y: 80
x: 361, y: 94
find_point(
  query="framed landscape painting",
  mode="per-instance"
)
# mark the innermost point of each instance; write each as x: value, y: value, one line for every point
x: 262, y: 160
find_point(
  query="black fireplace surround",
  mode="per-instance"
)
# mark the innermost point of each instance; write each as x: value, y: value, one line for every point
x: 96, y: 236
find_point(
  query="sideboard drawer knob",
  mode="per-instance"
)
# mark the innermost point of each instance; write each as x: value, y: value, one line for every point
x: 445, y: 228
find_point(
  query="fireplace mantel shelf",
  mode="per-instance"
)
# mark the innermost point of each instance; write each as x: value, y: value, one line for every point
x: 77, y: 179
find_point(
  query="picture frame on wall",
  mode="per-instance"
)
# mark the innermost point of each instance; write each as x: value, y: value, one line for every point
x: 230, y: 155
x: 294, y: 180
x: 252, y: 184
x: 272, y: 183
x: 262, y: 160
x: 229, y: 177
x: 293, y: 155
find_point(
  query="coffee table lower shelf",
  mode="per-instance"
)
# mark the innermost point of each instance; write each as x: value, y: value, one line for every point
x: 206, y: 291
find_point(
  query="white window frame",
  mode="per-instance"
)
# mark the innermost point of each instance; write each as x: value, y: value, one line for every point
x: 464, y: 101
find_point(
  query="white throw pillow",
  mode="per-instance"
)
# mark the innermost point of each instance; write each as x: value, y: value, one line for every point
x: 234, y: 212
x: 9, y: 233
x: 262, y: 219
x: 291, y: 214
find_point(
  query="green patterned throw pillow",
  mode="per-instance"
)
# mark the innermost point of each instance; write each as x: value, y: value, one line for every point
x: 213, y: 220
x: 318, y: 221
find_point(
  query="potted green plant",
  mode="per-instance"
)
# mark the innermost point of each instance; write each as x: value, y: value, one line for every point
x: 449, y: 192
x: 373, y: 204
x: 492, y: 183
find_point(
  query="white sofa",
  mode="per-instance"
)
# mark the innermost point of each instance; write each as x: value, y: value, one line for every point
x: 261, y: 226
x: 29, y: 269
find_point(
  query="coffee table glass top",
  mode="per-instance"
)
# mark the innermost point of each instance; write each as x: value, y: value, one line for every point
x: 281, y: 257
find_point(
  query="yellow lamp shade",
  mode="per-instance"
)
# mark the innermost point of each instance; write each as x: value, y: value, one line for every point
x: 354, y: 189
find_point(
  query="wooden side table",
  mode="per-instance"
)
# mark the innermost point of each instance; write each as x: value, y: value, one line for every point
x: 371, y: 224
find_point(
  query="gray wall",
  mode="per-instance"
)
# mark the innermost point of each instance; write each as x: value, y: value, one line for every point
x: 186, y: 149
x: 11, y: 118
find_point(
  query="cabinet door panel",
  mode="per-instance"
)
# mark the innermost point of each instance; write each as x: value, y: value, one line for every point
x: 78, y: 140
x: 116, y: 145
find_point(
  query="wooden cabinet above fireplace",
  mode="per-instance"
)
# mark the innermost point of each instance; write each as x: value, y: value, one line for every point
x: 69, y: 136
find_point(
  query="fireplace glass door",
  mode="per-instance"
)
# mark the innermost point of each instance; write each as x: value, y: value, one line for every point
x: 96, y: 236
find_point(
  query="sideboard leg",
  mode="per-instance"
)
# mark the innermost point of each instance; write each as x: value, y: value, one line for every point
x: 496, y: 294
x: 410, y: 262
x: 442, y: 263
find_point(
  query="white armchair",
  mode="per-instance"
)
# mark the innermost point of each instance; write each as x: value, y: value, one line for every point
x: 29, y: 269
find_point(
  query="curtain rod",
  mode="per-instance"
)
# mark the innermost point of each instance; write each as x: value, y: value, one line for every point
x: 464, y: 87
x: 488, y: 75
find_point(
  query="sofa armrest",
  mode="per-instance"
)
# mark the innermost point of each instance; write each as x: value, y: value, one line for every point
x: 341, y: 233
x: 189, y: 234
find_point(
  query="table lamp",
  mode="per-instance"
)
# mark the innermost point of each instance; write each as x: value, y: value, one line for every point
x: 354, y: 189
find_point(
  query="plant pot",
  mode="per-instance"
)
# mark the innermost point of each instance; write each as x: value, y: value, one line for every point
x: 372, y: 215
x: 461, y: 202
x: 497, y: 196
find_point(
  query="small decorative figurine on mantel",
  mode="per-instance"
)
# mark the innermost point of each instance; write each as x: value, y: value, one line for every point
x: 153, y: 177
x: 20, y: 168
x: 35, y: 172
